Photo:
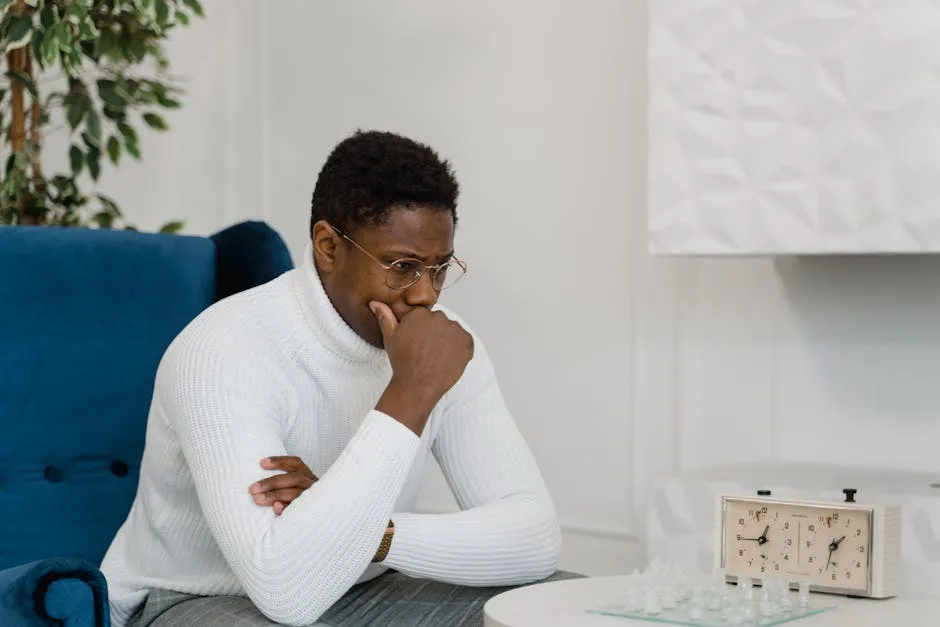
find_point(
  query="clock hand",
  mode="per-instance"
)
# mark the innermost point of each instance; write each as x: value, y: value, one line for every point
x: 833, y: 546
x: 761, y: 539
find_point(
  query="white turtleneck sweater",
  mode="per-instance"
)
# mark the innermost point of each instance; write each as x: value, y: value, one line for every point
x: 276, y: 371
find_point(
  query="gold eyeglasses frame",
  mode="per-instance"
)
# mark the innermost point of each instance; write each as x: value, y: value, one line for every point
x: 433, y: 269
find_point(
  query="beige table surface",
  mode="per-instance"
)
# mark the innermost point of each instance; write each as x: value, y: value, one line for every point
x: 565, y: 603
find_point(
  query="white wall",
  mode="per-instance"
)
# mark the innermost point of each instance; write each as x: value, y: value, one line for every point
x: 619, y: 367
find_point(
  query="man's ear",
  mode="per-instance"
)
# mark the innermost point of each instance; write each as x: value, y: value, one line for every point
x: 326, y: 245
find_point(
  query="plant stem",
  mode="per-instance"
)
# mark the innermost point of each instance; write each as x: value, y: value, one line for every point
x: 16, y: 61
x: 35, y: 137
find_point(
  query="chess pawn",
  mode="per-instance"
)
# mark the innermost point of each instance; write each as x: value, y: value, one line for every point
x: 696, y: 609
x: 714, y: 601
x: 669, y: 600
x: 804, y: 599
x: 652, y: 605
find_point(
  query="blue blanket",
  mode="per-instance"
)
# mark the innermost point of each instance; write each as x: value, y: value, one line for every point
x: 60, y: 592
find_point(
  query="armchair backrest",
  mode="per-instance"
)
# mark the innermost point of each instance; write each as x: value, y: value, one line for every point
x: 85, y: 316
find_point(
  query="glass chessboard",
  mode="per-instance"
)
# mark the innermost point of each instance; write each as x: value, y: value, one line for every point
x: 680, y: 616
x: 662, y: 594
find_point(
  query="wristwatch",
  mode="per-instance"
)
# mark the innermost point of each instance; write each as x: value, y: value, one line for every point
x: 385, y: 544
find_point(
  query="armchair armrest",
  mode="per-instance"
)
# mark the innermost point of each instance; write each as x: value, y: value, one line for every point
x: 57, y: 591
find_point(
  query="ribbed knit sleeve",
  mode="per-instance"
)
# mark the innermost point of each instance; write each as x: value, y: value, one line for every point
x: 507, y: 532
x: 228, y: 412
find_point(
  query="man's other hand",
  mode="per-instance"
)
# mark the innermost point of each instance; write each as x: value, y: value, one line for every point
x: 278, y: 491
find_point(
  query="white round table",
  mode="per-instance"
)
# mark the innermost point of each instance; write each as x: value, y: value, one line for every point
x: 565, y: 603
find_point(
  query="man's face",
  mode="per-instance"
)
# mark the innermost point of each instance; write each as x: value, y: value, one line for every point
x: 352, y: 279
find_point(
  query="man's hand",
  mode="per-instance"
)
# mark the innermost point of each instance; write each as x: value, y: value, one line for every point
x: 278, y: 491
x: 428, y: 353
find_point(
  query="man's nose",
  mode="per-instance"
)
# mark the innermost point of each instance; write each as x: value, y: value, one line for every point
x: 422, y: 293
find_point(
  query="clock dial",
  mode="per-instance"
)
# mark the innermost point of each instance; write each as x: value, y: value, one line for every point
x: 760, y: 540
x: 840, y: 548
x: 825, y: 545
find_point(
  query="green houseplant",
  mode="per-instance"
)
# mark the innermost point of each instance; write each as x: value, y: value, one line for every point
x: 96, y: 69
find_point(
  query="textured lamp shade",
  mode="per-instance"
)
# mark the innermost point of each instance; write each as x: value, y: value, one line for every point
x: 794, y: 126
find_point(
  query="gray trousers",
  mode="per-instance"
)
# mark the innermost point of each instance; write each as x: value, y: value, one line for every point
x: 390, y: 600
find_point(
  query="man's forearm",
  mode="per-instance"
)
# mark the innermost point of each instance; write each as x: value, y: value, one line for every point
x: 408, y: 403
x: 324, y: 540
x: 509, y: 542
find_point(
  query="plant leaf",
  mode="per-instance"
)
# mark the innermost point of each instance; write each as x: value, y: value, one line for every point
x: 19, y: 33
x: 162, y: 10
x: 128, y: 132
x: 93, y: 125
x: 114, y: 149
x: 24, y: 80
x: 93, y: 159
x: 155, y: 121
x: 76, y: 159
x: 132, y: 149
x: 103, y: 219
x: 172, y: 227
x: 109, y: 205
x: 195, y: 7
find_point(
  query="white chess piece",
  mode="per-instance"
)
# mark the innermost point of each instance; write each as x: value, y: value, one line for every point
x: 669, y: 601
x: 804, y: 599
x: 652, y: 605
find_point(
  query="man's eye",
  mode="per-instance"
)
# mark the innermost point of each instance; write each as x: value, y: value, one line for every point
x: 405, y: 267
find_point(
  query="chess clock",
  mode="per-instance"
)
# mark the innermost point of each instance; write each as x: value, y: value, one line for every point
x: 838, y: 547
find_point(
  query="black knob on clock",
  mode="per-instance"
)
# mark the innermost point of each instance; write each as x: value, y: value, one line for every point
x: 849, y: 494
x: 763, y: 493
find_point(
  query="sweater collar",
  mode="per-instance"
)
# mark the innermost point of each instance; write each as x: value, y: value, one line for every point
x: 327, y: 324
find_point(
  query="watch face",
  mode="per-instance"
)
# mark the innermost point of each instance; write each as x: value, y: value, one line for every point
x: 828, y: 546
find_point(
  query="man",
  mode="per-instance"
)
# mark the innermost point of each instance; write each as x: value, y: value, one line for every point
x: 291, y: 423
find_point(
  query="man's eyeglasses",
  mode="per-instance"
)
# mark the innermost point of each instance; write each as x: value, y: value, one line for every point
x: 403, y: 273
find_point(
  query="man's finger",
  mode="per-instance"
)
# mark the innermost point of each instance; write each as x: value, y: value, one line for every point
x: 290, y: 463
x: 284, y: 495
x: 277, y: 482
x: 387, y: 321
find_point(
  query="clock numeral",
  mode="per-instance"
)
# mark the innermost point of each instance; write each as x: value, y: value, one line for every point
x: 835, y: 517
x: 812, y: 527
x: 812, y: 559
x: 739, y: 537
x: 858, y: 532
x: 786, y: 525
x: 809, y: 543
x: 740, y: 552
x: 833, y: 576
x: 740, y: 521
x: 789, y: 541
x: 858, y: 564
x: 848, y: 574
x: 861, y: 549
x: 776, y: 566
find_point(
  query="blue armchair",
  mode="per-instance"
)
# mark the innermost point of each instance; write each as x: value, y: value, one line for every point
x: 85, y: 316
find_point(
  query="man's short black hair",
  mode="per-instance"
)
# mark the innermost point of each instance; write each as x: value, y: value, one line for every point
x: 369, y: 173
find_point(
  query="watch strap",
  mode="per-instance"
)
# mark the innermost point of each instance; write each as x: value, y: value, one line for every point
x: 385, y: 544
